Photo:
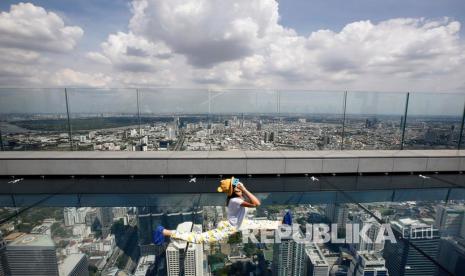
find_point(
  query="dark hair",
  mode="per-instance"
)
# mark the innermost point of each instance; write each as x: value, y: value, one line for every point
x: 233, y: 195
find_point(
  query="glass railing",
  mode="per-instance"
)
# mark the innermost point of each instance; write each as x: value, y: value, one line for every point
x: 105, y: 239
x: 206, y: 120
x: 106, y: 233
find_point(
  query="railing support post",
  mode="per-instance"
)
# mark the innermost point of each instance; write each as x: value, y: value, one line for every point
x: 461, y: 128
x: 344, y: 104
x: 405, y: 121
x: 138, y: 116
x: 69, y: 121
x: 2, y: 148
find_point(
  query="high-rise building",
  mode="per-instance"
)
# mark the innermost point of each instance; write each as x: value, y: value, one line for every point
x: 372, y: 233
x: 69, y: 214
x: 289, y: 258
x: 452, y: 256
x: 171, y: 134
x: 337, y: 213
x: 145, y: 262
x: 81, y: 215
x: 32, y: 255
x: 183, y: 256
x: 91, y: 219
x: 147, y: 221
x: 3, y: 260
x: 449, y: 220
x: 105, y: 216
x: 368, y: 263
x: 316, y: 264
x: 74, y: 265
x: 120, y: 212
x: 402, y: 259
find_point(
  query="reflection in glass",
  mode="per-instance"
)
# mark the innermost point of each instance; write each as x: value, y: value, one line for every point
x: 176, y: 119
x: 434, y: 121
x: 33, y: 119
x: 310, y: 120
x: 373, y: 120
x: 104, y: 119
x: 112, y: 239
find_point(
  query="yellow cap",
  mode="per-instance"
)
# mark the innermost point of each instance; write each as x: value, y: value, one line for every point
x: 226, y: 186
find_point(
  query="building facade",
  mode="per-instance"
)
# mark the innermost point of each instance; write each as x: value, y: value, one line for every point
x: 403, y: 259
x: 368, y: 263
x: 74, y: 265
x: 316, y: 264
x: 32, y: 255
x: 184, y: 258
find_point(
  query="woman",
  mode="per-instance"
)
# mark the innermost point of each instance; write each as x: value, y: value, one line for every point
x: 236, y: 204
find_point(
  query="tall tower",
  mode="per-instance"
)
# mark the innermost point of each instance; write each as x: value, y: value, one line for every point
x: 316, y: 264
x: 32, y: 255
x: 74, y: 265
x: 372, y: 233
x: 337, y: 213
x: 449, y: 220
x: 105, y: 216
x: 402, y: 259
x: 289, y: 258
x: 69, y: 214
x: 3, y: 260
x: 181, y: 255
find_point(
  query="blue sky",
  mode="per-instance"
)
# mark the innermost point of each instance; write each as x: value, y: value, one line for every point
x: 307, y: 16
x: 102, y: 17
x: 237, y: 44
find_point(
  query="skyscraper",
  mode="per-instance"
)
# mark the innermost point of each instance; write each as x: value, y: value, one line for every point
x: 74, y: 265
x: 91, y: 219
x: 32, y: 255
x: 367, y: 263
x: 105, y: 216
x: 337, y: 213
x: 289, y: 258
x: 316, y: 264
x: 183, y: 256
x: 403, y: 259
x: 3, y: 260
x: 147, y: 220
x: 81, y: 215
x: 449, y: 220
x: 372, y: 233
x: 452, y: 256
x: 69, y: 214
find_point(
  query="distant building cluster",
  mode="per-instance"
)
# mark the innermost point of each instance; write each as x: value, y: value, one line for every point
x: 234, y: 132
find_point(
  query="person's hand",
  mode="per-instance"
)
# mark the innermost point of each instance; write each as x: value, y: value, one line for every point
x: 241, y: 186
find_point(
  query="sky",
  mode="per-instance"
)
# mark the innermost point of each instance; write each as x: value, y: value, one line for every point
x: 364, y: 45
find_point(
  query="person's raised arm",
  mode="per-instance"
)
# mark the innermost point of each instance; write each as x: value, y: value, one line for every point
x: 254, y: 201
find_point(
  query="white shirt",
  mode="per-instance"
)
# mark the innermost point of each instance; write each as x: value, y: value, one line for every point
x: 236, y: 212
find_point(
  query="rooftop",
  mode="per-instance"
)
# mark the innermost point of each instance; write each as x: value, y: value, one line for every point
x: 32, y: 240
x: 70, y: 263
x: 184, y: 227
x: 316, y: 256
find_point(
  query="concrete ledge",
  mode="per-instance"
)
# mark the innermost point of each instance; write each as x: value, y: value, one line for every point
x: 229, y: 162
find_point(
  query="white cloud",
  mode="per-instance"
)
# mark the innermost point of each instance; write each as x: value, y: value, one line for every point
x: 235, y: 44
x: 131, y: 53
x: 207, y: 32
x: 98, y: 57
x: 30, y: 41
x: 31, y: 27
x: 241, y: 43
x: 71, y: 78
